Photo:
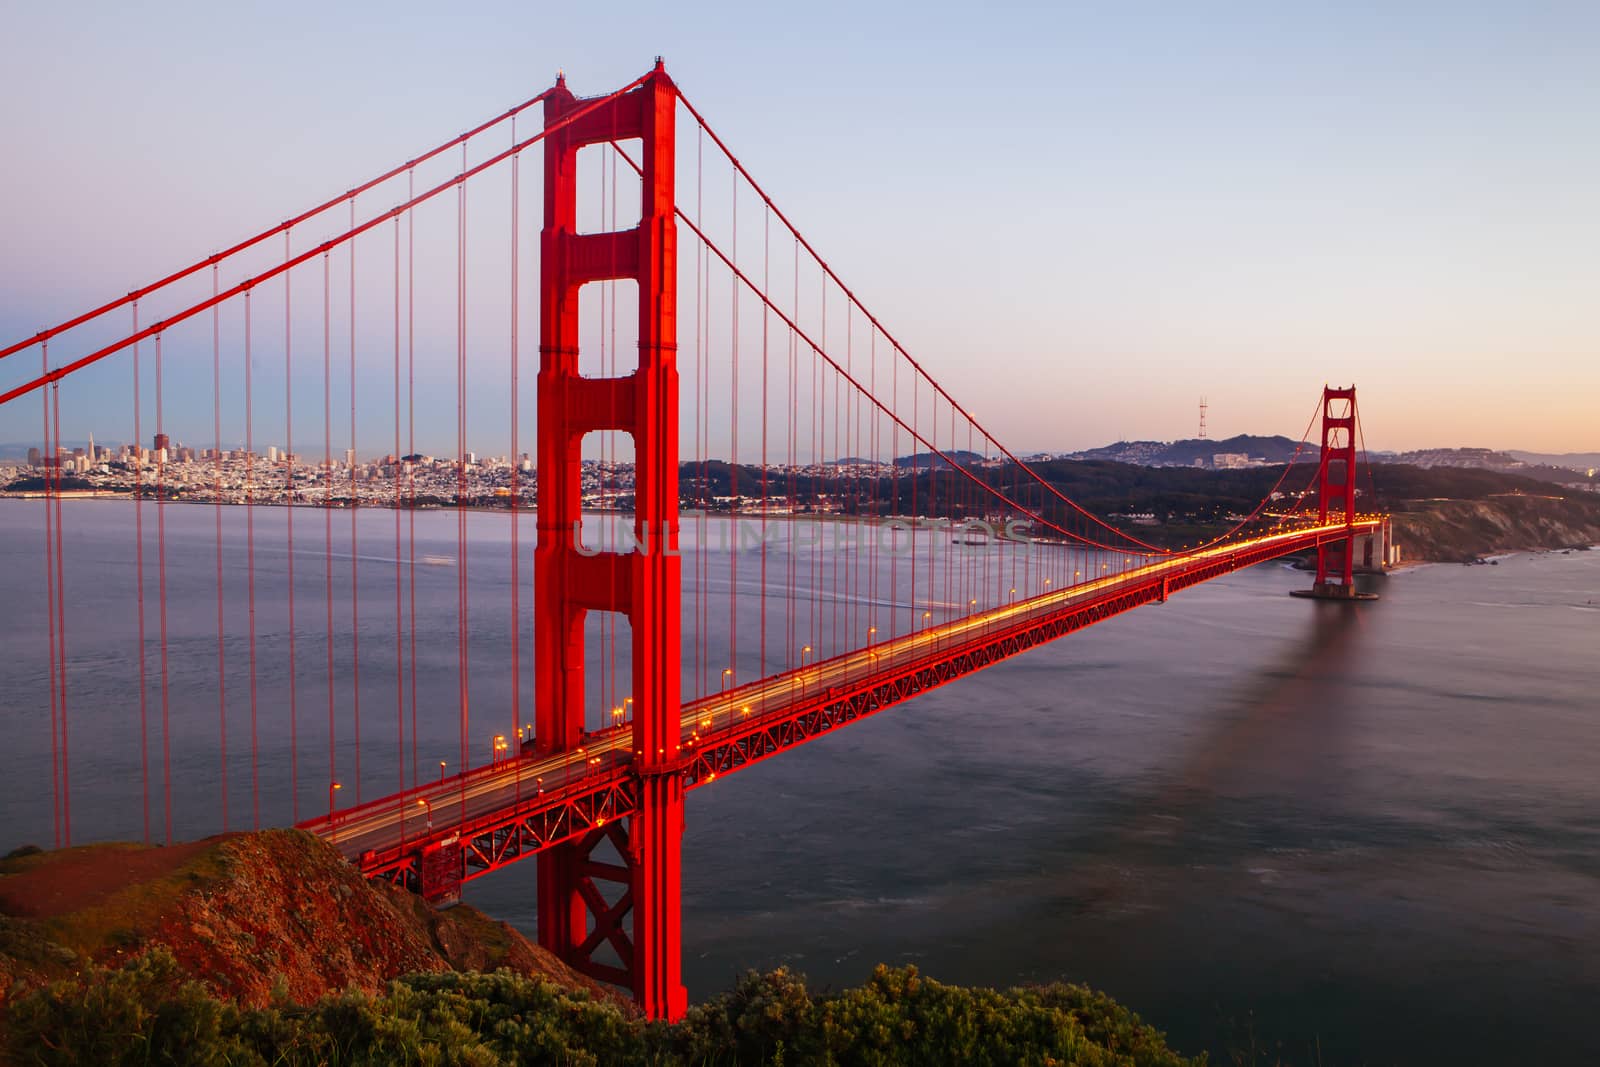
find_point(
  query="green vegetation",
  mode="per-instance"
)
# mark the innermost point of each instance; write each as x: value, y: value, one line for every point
x: 150, y: 1012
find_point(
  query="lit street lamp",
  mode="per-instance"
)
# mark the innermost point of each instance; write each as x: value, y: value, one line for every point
x: 333, y: 787
x: 422, y: 802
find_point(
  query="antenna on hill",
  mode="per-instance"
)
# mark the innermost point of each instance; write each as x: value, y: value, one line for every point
x: 1202, y: 418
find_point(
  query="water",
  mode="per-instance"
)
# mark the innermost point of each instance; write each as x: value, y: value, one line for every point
x: 1369, y: 835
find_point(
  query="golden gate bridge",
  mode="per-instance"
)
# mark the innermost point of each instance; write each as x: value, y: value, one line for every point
x: 763, y: 393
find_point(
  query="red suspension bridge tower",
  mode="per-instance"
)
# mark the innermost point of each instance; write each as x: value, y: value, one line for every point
x: 1336, y: 501
x: 644, y: 584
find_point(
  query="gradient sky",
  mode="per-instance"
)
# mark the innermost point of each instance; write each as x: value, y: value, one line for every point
x: 1123, y: 206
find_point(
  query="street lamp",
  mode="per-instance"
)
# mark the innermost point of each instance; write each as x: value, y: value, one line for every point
x: 727, y: 678
x: 422, y: 802
x: 441, y: 772
x: 333, y: 787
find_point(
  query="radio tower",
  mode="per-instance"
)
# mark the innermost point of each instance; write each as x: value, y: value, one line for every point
x: 1202, y: 418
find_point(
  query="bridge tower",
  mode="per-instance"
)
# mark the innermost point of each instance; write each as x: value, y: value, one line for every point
x: 1336, y: 495
x: 575, y: 918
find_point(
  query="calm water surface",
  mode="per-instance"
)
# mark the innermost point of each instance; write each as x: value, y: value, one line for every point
x: 1372, y: 831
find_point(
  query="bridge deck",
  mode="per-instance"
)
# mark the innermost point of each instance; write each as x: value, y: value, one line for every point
x: 521, y: 805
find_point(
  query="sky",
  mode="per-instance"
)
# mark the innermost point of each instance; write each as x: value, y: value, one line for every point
x: 1080, y: 217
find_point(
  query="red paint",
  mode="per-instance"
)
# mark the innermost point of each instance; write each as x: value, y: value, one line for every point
x: 1336, y: 485
x: 643, y: 585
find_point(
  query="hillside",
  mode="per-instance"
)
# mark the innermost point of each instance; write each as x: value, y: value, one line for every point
x: 246, y: 912
x: 1458, y: 531
x: 267, y: 948
x: 1274, y: 449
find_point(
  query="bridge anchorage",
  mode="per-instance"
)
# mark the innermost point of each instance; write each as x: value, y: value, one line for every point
x: 859, y: 563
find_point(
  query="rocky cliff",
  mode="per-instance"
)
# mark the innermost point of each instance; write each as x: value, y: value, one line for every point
x: 246, y: 913
x: 1462, y: 530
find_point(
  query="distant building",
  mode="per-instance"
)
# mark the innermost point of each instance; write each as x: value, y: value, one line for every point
x: 1230, y: 460
x: 35, y: 459
x: 161, y: 442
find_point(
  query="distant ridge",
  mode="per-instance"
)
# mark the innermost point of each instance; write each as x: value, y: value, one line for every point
x: 1577, y: 461
x: 927, y: 460
x: 1270, y: 450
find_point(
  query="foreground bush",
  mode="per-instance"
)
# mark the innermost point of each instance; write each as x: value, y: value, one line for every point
x: 149, y: 1012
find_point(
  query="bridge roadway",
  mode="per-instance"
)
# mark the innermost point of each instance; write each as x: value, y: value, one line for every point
x: 522, y: 804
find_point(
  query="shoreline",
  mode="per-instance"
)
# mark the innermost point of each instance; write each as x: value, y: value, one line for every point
x: 1410, y: 563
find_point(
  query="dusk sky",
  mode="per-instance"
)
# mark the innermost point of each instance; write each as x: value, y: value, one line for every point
x: 1079, y: 217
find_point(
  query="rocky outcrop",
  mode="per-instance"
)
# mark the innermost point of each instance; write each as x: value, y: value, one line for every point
x: 1464, y: 530
x: 253, y: 915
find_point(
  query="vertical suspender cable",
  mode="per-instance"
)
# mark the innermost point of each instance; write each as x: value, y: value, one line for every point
x: 894, y: 500
x: 699, y: 423
x: 250, y: 553
x: 288, y: 520
x: 327, y: 505
x: 52, y: 457
x: 399, y: 569
x: 766, y: 400
x: 161, y: 579
x: 138, y: 541
x: 516, y: 546
x: 355, y: 506
x: 61, y: 626
x: 733, y: 452
x: 411, y: 449
x: 216, y: 435
x: 793, y: 610
x: 461, y: 465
